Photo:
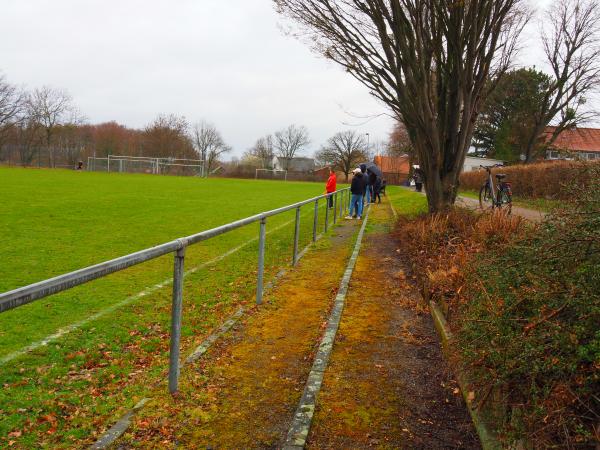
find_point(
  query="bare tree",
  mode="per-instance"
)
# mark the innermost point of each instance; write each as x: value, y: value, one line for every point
x: 12, y: 106
x: 167, y: 137
x: 51, y: 108
x: 209, y: 144
x: 344, y: 151
x: 429, y: 61
x: 571, y: 43
x: 288, y: 142
x: 262, y: 151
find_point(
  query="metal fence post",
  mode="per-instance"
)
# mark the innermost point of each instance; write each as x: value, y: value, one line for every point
x: 326, y: 213
x: 296, y: 237
x: 335, y: 196
x: 316, y: 220
x: 176, y: 311
x: 261, y: 260
x: 349, y: 199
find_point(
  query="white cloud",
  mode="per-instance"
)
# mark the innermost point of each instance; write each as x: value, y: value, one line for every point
x: 225, y: 62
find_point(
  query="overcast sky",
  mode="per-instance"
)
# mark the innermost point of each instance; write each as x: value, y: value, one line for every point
x: 224, y: 61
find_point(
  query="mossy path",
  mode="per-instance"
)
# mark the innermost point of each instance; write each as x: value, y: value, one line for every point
x: 387, y: 384
x: 243, y: 392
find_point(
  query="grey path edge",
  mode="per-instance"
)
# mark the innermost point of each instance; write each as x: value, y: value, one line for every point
x: 301, y: 423
x: 120, y: 427
x: 486, y: 437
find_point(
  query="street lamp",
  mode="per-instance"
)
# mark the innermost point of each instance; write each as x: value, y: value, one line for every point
x: 367, y: 141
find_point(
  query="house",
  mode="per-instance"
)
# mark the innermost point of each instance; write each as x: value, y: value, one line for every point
x: 299, y: 164
x: 395, y: 169
x: 579, y: 143
x: 473, y: 163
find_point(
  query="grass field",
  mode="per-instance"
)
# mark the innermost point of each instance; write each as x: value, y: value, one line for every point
x: 89, y: 371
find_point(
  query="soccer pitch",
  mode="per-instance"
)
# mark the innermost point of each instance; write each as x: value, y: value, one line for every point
x: 52, y: 356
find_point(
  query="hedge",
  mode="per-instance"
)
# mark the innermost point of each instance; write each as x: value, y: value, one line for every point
x: 541, y: 180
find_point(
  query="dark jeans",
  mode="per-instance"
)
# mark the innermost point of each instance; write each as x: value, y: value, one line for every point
x: 418, y: 187
x: 330, y: 201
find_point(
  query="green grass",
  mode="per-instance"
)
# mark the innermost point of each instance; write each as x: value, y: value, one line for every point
x: 406, y: 201
x: 54, y: 222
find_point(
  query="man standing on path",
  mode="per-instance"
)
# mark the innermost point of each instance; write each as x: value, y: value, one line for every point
x: 330, y: 186
x: 357, y: 188
x: 366, y: 192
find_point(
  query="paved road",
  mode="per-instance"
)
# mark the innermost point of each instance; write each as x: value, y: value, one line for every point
x: 532, y: 215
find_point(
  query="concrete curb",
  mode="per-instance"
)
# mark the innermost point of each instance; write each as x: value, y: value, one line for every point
x: 119, y: 428
x: 300, y: 427
x: 487, y: 438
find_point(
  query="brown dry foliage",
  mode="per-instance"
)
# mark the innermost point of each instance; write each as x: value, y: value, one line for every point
x: 439, y: 246
x: 542, y: 180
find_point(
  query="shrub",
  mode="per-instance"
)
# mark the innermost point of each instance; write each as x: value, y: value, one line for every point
x: 440, y: 245
x: 523, y: 302
x: 543, y: 180
x: 530, y: 326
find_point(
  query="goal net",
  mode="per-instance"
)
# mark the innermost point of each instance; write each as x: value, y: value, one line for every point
x: 271, y: 174
x: 143, y: 164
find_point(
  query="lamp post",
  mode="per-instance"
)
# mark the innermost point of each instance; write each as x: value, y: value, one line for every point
x: 367, y: 142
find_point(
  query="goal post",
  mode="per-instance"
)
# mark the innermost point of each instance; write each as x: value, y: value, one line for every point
x: 147, y: 164
x: 271, y: 174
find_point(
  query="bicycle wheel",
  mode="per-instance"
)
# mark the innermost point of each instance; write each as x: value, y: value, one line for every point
x: 505, y: 201
x: 485, y: 197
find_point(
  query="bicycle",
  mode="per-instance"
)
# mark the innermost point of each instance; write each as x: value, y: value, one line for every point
x: 499, y: 197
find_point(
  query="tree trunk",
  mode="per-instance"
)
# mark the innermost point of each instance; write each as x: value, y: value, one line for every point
x: 441, y: 192
x: 441, y: 181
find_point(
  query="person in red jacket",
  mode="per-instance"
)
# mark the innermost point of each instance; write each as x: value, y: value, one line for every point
x: 331, y: 186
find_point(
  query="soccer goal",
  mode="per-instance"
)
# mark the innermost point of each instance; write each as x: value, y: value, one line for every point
x: 271, y: 174
x: 145, y: 164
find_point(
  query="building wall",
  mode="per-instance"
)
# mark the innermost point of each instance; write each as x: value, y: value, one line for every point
x: 473, y: 163
x: 556, y: 154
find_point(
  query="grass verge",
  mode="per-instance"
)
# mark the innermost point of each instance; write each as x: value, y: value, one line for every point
x: 62, y: 394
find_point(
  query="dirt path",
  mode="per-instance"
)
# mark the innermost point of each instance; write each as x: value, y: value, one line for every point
x: 244, y: 391
x: 387, y: 384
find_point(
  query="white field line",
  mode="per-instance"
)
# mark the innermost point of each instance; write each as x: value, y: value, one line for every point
x: 76, y: 325
x: 393, y: 209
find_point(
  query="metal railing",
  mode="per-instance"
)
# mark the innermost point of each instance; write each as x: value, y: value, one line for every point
x: 27, y: 294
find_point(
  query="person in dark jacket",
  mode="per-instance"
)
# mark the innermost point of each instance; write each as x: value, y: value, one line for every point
x: 371, y: 185
x: 357, y: 188
x: 377, y: 190
x: 418, y: 176
x: 367, y: 194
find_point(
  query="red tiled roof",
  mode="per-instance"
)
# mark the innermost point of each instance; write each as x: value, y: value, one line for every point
x: 393, y: 164
x: 577, y: 139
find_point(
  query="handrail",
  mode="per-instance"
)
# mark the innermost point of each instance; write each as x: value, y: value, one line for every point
x: 26, y: 294
x: 35, y: 291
